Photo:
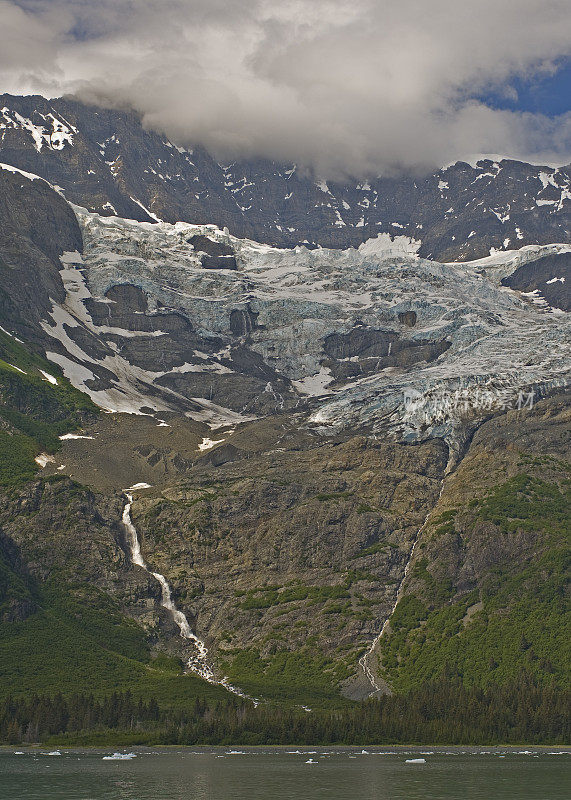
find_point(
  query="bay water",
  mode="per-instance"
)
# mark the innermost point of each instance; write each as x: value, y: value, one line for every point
x: 288, y: 773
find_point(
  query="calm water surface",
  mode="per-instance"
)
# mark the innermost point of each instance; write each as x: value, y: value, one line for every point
x: 280, y: 774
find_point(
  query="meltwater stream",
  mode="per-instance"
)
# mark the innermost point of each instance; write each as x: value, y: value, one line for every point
x: 198, y: 662
x: 364, y: 660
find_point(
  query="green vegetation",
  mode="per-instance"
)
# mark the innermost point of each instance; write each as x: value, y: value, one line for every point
x: 444, y: 712
x: 518, y: 620
x: 528, y: 503
x: 268, y: 596
x: 33, y: 411
x: 376, y: 547
x: 72, y: 638
x: 291, y: 677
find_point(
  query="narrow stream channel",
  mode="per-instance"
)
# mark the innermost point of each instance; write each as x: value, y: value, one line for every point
x: 198, y: 661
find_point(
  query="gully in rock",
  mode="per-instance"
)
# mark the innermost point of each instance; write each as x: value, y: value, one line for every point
x: 364, y: 660
x: 197, y: 662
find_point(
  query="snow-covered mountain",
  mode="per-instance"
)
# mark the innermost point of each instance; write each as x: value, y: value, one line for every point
x: 159, y: 317
x: 299, y: 422
x: 108, y: 163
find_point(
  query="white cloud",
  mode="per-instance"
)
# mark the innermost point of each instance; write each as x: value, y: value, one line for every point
x: 365, y: 86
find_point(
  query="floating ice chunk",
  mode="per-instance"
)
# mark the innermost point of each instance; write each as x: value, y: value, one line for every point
x: 120, y: 757
x: 415, y: 761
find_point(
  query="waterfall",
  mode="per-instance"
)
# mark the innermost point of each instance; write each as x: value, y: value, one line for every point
x: 198, y: 661
x: 364, y: 660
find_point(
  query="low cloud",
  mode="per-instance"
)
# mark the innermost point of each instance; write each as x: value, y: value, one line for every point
x: 346, y: 88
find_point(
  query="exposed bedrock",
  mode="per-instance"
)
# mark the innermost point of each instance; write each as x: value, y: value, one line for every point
x: 549, y: 277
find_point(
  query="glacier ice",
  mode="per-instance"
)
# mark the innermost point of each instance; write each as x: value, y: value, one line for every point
x: 503, y: 346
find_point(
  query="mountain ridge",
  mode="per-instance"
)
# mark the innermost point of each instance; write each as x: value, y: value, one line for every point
x: 107, y: 162
x: 322, y: 441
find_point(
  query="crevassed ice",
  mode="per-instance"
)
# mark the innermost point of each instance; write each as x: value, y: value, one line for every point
x: 501, y: 342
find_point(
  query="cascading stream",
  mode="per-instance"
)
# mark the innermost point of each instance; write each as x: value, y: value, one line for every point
x: 364, y: 660
x: 197, y: 662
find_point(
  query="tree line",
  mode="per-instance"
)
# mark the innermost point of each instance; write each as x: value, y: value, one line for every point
x: 442, y: 712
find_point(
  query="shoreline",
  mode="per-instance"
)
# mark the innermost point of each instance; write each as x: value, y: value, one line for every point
x: 303, y: 748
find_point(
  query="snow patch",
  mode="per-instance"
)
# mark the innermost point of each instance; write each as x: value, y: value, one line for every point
x: 43, y: 459
x: 207, y: 444
x: 49, y: 378
x: 315, y: 385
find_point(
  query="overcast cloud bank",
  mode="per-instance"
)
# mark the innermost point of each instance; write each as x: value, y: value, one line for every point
x: 347, y: 87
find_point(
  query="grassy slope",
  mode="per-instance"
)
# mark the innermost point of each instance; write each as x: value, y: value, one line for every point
x: 302, y: 677
x: 520, y: 618
x: 51, y: 652
x: 75, y: 640
x: 33, y: 411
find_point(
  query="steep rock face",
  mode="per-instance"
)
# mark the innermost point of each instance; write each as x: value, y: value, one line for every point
x: 548, y: 278
x: 365, y: 351
x: 108, y: 163
x: 487, y: 591
x: 75, y: 614
x: 65, y: 534
x: 214, y: 255
x: 68, y: 541
x: 37, y: 226
x: 291, y: 550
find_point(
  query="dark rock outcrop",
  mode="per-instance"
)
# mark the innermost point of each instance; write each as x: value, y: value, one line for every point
x: 243, y: 321
x: 109, y: 163
x: 214, y: 255
x: 36, y: 227
x: 364, y: 351
x: 407, y: 318
x: 550, y: 276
